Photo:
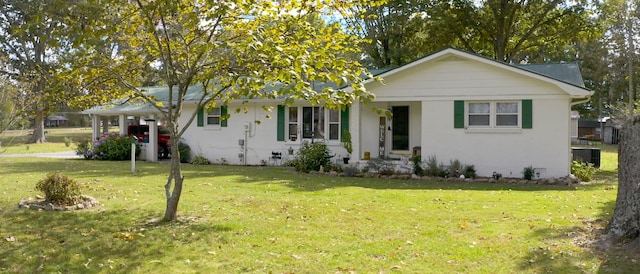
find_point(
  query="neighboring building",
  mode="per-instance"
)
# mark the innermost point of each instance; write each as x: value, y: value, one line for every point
x: 589, y: 129
x: 451, y: 105
x: 56, y: 121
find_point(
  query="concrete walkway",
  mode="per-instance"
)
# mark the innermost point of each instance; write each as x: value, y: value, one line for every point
x: 58, y: 155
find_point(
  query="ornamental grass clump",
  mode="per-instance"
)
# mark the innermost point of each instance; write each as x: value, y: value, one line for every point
x: 59, y: 189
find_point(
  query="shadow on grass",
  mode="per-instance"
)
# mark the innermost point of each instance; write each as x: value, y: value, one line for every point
x: 87, y: 169
x: 553, y: 258
x: 95, y: 241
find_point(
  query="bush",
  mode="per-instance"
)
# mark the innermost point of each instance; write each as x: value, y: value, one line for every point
x: 112, y: 147
x: 60, y: 189
x: 185, y: 152
x: 417, y: 165
x: 311, y: 156
x: 67, y: 141
x: 83, y: 148
x: 200, y: 160
x: 433, y: 168
x: 583, y: 171
x: 528, y: 172
x: 455, y: 168
x: 470, y: 171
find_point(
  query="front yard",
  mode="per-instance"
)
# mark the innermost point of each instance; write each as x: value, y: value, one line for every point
x: 264, y: 219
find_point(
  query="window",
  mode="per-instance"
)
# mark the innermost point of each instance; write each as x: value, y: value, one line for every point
x: 493, y: 114
x: 479, y: 114
x: 313, y: 123
x: 293, y: 123
x: 213, y: 117
x: 507, y: 114
x: 334, y: 124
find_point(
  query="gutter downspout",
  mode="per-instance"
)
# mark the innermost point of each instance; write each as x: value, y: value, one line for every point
x: 581, y: 101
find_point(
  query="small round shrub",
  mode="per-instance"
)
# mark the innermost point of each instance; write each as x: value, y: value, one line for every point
x: 200, y: 160
x: 59, y: 189
x: 311, y: 156
x: 185, y: 152
x: 583, y: 171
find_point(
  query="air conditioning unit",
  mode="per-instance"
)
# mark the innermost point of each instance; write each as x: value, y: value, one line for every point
x: 587, y: 155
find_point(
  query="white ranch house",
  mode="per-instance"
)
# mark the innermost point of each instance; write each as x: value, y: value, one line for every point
x: 451, y: 105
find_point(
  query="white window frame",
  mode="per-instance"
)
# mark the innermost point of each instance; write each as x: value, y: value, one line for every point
x: 493, y: 113
x: 300, y: 121
x: 211, y: 114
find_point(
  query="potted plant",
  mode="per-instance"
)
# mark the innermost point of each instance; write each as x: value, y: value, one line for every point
x: 346, y: 143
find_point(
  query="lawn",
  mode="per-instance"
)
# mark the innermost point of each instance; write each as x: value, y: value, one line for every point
x: 260, y: 219
x: 15, y: 141
x: 274, y: 220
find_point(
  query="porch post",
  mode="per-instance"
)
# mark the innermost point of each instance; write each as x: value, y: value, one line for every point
x: 105, y: 124
x: 95, y: 127
x: 152, y: 146
x: 122, y: 123
x: 354, y: 129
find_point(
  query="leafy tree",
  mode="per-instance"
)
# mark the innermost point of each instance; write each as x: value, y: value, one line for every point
x: 33, y: 39
x: 512, y: 30
x: 232, y: 49
x: 624, y: 226
x: 9, y: 109
x: 390, y: 28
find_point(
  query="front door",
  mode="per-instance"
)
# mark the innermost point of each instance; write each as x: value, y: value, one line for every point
x: 400, y: 128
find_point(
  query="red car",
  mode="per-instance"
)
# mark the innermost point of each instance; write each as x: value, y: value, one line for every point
x: 142, y: 133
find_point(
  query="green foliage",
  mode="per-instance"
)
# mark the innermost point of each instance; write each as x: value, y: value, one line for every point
x: 470, y: 171
x: 112, y: 147
x: 455, y: 168
x: 311, y: 156
x: 528, y: 172
x: 583, y: 171
x: 60, y: 189
x: 496, y: 175
x: 417, y: 165
x: 200, y: 160
x: 84, y: 147
x: 435, y: 169
x: 185, y: 152
x: 346, y: 141
x: 67, y: 141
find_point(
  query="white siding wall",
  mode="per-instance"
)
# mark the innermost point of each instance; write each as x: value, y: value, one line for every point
x: 261, y: 140
x: 437, y: 84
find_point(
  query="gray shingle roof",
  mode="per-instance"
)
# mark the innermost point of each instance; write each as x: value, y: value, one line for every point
x: 565, y: 72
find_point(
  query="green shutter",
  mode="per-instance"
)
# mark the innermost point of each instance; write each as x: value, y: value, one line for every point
x: 280, y: 123
x: 344, y: 120
x: 200, y: 117
x: 223, y: 116
x: 527, y: 114
x: 458, y: 114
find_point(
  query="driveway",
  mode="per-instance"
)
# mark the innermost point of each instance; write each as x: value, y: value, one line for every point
x: 59, y: 155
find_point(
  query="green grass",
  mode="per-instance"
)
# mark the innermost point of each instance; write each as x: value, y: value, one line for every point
x: 15, y: 141
x: 264, y: 219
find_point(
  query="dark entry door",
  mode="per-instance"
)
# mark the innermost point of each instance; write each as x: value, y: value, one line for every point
x: 400, y: 128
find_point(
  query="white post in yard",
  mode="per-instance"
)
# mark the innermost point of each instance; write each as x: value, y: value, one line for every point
x: 133, y: 158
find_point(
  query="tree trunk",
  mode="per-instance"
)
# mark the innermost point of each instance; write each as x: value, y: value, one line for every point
x: 38, y: 130
x: 175, y: 180
x: 625, y: 223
